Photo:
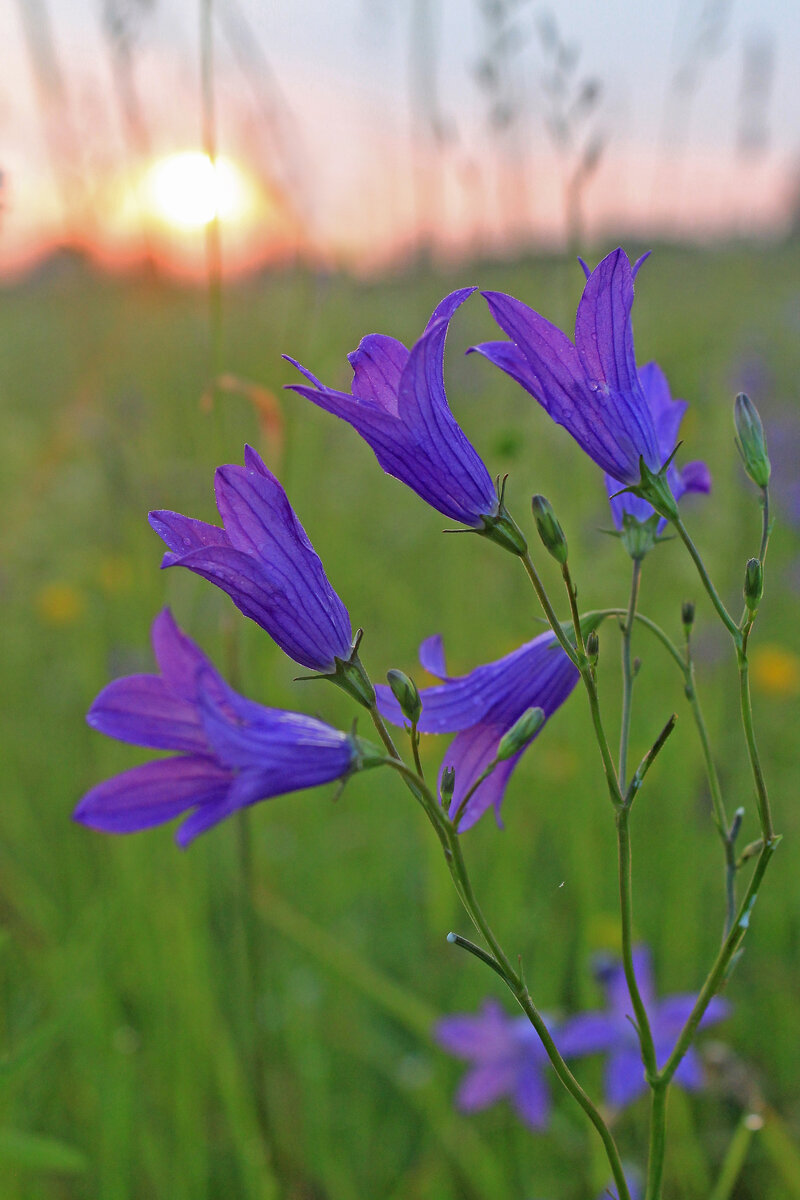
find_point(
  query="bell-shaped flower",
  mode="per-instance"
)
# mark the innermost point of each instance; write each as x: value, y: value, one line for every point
x: 611, y: 1031
x: 231, y: 751
x: 263, y: 559
x: 480, y: 708
x: 591, y: 386
x: 399, y: 406
x: 667, y: 416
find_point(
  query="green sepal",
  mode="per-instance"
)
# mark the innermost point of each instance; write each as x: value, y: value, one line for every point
x: 366, y: 754
x: 501, y: 527
x: 639, y: 537
x: 349, y: 675
x: 753, y: 584
x: 654, y: 488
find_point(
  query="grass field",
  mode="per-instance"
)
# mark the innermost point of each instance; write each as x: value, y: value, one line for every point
x: 136, y: 1030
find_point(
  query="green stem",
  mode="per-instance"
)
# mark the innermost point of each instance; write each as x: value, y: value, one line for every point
x: 724, y: 615
x: 721, y: 963
x: 656, y: 630
x: 646, y: 1042
x: 764, y: 812
x: 513, y: 980
x: 549, y: 611
x: 590, y: 683
x: 627, y: 674
x: 658, y: 1135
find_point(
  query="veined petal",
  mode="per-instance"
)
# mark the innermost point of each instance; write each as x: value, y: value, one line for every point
x: 469, y: 754
x: 431, y: 656
x: 555, y: 377
x: 603, y: 329
x: 667, y: 413
x: 466, y: 491
x: 153, y: 793
x: 180, y: 660
x: 289, y: 750
x: 377, y: 366
x: 184, y: 534
x: 144, y: 710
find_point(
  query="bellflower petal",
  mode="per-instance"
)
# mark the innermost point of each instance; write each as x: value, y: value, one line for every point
x: 507, y: 1060
x: 481, y: 707
x: 590, y: 387
x: 667, y: 416
x: 265, y: 562
x: 234, y: 752
x: 399, y: 406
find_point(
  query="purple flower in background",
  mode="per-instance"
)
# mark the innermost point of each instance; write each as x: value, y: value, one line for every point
x: 591, y: 387
x: 264, y: 561
x: 667, y: 415
x: 232, y: 752
x: 483, y: 705
x: 506, y: 1060
x: 398, y: 405
x: 611, y: 1032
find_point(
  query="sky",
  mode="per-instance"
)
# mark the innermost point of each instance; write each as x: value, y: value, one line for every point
x: 363, y: 127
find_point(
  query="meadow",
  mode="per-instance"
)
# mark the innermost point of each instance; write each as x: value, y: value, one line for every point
x: 252, y: 1018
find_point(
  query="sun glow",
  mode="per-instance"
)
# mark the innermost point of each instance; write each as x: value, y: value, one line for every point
x: 187, y: 191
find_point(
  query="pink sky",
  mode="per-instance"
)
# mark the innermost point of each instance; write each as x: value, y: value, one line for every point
x: 341, y: 148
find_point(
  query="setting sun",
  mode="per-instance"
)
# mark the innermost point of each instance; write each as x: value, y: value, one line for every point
x: 187, y: 190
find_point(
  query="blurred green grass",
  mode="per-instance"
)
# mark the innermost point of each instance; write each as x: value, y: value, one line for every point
x: 126, y: 1005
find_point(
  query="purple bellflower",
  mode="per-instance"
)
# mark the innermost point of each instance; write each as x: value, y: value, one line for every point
x: 591, y: 387
x: 398, y: 405
x: 265, y: 562
x: 480, y: 707
x: 232, y: 752
x: 667, y: 416
x: 506, y: 1060
x: 611, y: 1032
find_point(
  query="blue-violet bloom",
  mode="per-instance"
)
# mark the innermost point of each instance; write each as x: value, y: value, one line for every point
x: 232, y: 752
x: 591, y: 387
x: 506, y: 1060
x: 264, y: 561
x: 611, y: 1031
x: 399, y: 406
x: 667, y: 416
x: 480, y: 707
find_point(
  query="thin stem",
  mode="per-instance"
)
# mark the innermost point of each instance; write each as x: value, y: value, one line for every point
x: 658, y: 1132
x: 627, y: 673
x: 572, y: 593
x: 736, y: 1154
x: 549, y: 611
x: 724, y: 615
x: 643, y: 1029
x: 656, y: 630
x: 721, y: 963
x: 764, y: 812
x: 512, y: 979
x: 650, y: 757
x: 415, y: 749
x: 762, y: 553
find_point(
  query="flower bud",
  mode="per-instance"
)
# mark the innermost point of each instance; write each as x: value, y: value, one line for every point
x: 405, y: 693
x: 592, y: 647
x: 447, y: 786
x: 550, y: 531
x: 750, y: 441
x: 520, y: 733
x: 687, y: 615
x: 753, y: 583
